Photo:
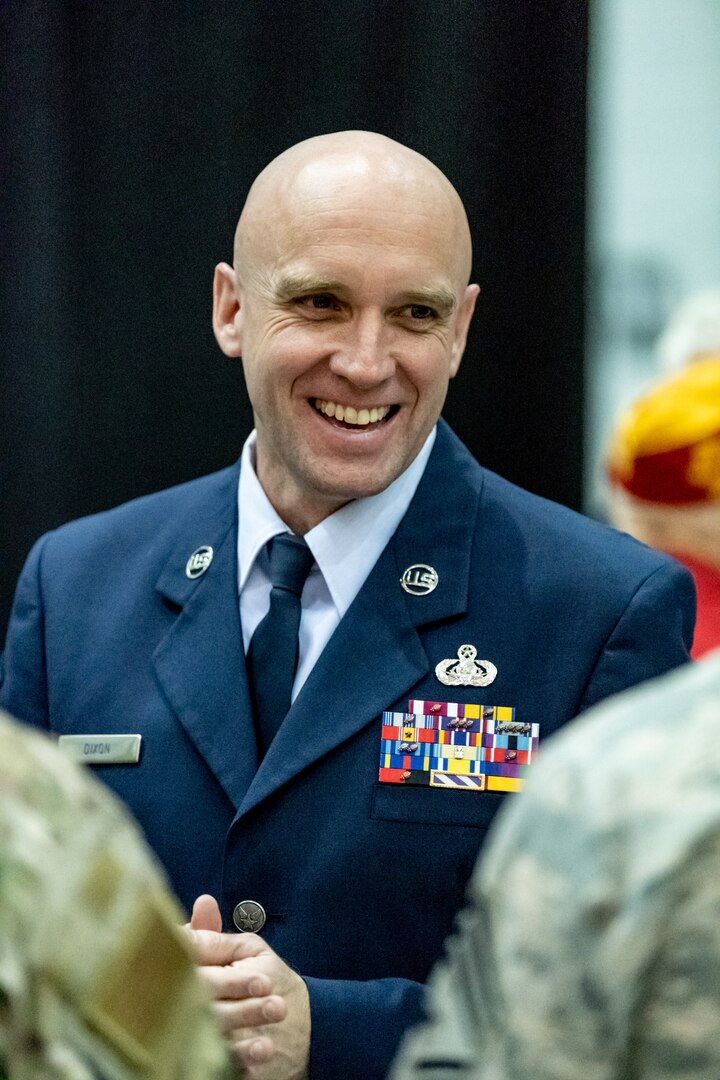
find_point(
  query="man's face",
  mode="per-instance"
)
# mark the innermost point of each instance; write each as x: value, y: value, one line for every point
x: 351, y: 320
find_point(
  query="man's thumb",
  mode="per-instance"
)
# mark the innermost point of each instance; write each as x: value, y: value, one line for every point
x: 206, y: 914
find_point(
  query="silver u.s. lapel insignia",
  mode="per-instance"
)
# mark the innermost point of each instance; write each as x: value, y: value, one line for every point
x: 419, y: 579
x: 198, y: 562
x: 466, y: 670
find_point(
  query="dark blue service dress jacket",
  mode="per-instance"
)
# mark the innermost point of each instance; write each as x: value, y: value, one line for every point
x: 360, y: 880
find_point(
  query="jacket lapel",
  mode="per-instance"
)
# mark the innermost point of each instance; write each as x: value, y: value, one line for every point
x: 376, y: 654
x: 200, y: 663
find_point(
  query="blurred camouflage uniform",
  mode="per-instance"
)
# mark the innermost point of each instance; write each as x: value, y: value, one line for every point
x: 96, y: 980
x: 592, y: 948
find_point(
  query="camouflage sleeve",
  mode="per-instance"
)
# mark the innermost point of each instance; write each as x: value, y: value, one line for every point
x: 96, y: 981
x: 511, y: 999
x: 676, y: 1033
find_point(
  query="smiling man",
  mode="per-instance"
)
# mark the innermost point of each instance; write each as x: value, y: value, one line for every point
x: 315, y: 675
x: 350, y: 305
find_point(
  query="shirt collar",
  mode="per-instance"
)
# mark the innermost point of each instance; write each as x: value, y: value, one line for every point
x: 259, y: 522
x: 347, y: 544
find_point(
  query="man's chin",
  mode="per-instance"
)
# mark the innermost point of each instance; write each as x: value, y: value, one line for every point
x: 322, y: 498
x: 342, y: 490
x: 312, y: 490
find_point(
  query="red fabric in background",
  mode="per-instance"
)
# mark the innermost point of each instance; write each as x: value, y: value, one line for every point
x: 707, y: 584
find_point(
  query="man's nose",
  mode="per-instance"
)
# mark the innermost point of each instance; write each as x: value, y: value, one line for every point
x: 364, y: 355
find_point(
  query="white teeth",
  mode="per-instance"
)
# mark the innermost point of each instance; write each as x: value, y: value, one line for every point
x: 358, y: 417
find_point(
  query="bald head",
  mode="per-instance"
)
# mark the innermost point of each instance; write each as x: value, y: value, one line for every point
x: 349, y: 305
x: 355, y: 173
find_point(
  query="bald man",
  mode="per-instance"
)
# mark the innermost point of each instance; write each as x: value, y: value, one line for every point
x: 448, y: 621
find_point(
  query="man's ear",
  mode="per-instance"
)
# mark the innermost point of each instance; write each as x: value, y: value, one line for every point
x: 465, y: 314
x: 226, y: 309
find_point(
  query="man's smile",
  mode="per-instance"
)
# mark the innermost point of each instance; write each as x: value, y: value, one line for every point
x: 349, y: 415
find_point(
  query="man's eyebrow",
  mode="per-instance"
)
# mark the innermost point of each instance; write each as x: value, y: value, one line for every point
x: 288, y: 286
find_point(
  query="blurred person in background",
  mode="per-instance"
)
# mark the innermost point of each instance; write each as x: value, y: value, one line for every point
x: 591, y: 946
x: 664, y: 471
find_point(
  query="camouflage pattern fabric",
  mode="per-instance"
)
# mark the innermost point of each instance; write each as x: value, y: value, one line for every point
x: 96, y: 980
x: 591, y: 948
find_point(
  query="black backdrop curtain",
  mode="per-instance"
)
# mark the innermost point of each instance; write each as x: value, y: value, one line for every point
x: 131, y: 133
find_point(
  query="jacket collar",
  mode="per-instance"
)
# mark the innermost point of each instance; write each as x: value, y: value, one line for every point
x: 199, y: 663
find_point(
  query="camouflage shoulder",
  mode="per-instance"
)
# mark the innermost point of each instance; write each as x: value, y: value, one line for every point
x: 645, y: 763
x: 96, y: 977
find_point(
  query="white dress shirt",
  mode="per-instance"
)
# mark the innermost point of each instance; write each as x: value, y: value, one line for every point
x: 345, y: 546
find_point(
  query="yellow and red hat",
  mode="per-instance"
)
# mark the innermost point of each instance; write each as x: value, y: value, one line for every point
x: 666, y: 447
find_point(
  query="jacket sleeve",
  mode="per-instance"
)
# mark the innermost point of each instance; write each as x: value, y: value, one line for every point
x: 653, y: 634
x: 23, y: 674
x: 356, y: 1026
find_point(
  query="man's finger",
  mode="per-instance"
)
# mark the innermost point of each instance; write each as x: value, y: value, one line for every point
x: 235, y: 983
x: 255, y: 1050
x: 206, y: 914
x: 234, y: 1016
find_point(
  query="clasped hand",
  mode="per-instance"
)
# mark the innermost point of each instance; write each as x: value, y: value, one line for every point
x: 253, y: 989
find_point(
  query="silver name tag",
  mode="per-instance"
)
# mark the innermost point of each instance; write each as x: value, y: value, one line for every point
x: 102, y: 749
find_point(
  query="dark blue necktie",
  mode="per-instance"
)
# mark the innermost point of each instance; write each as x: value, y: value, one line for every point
x: 273, y: 652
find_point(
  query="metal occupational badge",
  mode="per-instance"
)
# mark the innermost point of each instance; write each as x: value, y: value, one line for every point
x: 466, y: 670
